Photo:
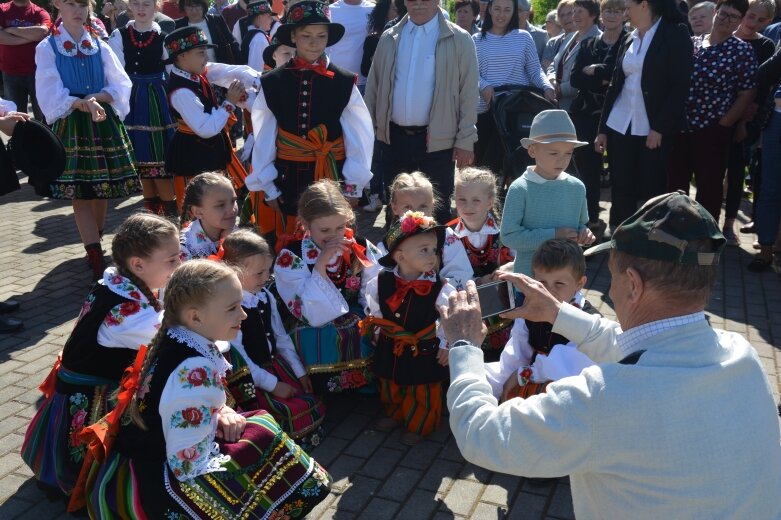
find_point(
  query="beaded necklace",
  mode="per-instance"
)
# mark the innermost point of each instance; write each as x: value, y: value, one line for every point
x: 141, y: 44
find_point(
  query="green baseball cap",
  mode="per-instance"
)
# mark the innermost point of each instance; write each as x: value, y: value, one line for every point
x: 670, y: 228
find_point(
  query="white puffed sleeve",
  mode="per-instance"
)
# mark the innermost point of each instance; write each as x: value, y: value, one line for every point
x: 516, y: 353
x: 261, y: 377
x: 371, y: 294
x: 358, y: 132
x: 306, y: 293
x: 115, y: 42
x: 455, y: 262
x: 255, y: 55
x: 53, y: 98
x: 562, y: 361
x: 373, y: 254
x: 264, y: 173
x: 189, y: 415
x: 223, y: 75
x: 124, y: 327
x: 117, y: 83
x: 285, y: 346
x: 237, y: 33
x: 190, y: 108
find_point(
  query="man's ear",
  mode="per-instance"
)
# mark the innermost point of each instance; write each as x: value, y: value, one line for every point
x: 636, y: 285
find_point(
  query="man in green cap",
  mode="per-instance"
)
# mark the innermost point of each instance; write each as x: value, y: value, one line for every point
x: 677, y: 420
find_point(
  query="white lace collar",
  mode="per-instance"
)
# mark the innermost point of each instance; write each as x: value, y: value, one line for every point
x: 489, y: 228
x: 68, y: 46
x: 430, y: 276
x: 211, y: 350
x: 250, y: 300
x: 310, y: 253
x: 186, y: 75
x: 195, y: 240
x: 155, y: 27
x: 122, y: 286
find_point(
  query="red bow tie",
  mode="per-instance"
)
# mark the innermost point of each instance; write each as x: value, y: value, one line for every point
x: 421, y: 288
x: 319, y: 67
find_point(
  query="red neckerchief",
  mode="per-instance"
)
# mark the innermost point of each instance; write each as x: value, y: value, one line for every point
x: 403, y: 287
x: 357, y: 249
x: 319, y: 67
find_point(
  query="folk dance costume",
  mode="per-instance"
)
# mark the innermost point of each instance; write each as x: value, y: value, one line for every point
x: 405, y: 360
x: 99, y: 157
x: 486, y: 254
x: 321, y: 126
x: 176, y: 468
x: 202, y: 142
x: 149, y: 122
x: 115, y: 320
x: 327, y: 311
x: 195, y: 243
x: 537, y: 356
x: 261, y: 356
x: 252, y: 40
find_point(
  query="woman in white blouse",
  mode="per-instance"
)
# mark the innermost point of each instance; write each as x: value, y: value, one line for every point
x: 506, y: 55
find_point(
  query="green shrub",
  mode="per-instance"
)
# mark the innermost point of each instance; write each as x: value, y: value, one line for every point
x: 542, y: 8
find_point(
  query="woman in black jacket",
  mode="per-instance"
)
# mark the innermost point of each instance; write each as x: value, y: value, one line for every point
x: 644, y: 104
x: 196, y: 13
x: 591, y: 75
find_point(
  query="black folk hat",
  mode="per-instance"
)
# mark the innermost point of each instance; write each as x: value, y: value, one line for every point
x: 309, y: 12
x: 185, y: 39
x: 38, y: 152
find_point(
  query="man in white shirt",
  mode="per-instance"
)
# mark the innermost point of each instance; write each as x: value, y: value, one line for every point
x: 348, y: 52
x: 422, y: 94
x: 676, y: 421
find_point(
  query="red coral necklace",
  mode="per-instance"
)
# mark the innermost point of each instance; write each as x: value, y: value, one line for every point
x: 141, y: 44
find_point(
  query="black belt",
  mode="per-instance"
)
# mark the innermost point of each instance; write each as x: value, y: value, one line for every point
x: 409, y: 130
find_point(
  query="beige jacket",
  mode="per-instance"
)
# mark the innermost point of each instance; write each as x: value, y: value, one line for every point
x: 454, y: 107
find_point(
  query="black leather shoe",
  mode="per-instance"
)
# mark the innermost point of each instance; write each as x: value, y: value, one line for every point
x: 8, y: 325
x: 9, y: 306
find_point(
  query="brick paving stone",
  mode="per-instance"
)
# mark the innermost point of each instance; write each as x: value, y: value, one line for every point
x: 501, y: 489
x: 357, y: 494
x: 421, y: 504
x: 329, y: 450
x: 381, y: 463
x: 440, y: 476
x: 528, y: 507
x: 462, y: 497
x: 343, y: 469
x: 561, y: 503
x: 398, y: 484
x: 472, y: 472
x: 366, y: 443
x: 14, y: 508
x: 485, y: 511
x: 380, y: 509
x: 421, y: 456
x: 10, y: 485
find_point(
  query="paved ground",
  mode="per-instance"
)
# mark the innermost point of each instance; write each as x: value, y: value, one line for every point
x: 42, y: 265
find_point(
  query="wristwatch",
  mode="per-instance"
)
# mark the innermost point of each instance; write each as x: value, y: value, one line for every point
x: 461, y: 343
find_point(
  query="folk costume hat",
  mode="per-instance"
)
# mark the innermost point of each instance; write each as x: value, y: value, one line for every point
x: 185, y: 39
x: 259, y: 7
x: 669, y: 228
x: 410, y: 224
x: 39, y: 153
x: 309, y: 12
x: 268, y: 52
x: 552, y: 126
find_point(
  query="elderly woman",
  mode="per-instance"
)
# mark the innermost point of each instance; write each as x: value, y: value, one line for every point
x: 591, y: 75
x: 506, y: 55
x: 552, y: 26
x: 701, y: 18
x: 564, y: 18
x: 759, y: 14
x: 723, y: 84
x: 644, y: 103
x: 585, y: 15
x: 467, y: 12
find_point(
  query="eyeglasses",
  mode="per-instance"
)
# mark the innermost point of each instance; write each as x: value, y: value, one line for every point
x: 723, y: 15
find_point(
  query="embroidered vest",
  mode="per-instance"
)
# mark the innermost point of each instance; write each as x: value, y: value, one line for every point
x: 146, y: 60
x: 82, y: 353
x: 208, y: 99
x: 81, y: 74
x: 246, y: 40
x: 257, y: 333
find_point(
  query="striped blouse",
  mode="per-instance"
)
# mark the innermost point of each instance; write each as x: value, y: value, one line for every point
x: 508, y: 60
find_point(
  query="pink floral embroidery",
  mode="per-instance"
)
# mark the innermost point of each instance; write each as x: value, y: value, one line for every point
x: 353, y: 283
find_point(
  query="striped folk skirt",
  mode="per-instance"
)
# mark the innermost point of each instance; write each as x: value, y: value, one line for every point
x: 335, y: 355
x: 300, y: 416
x: 268, y: 476
x: 417, y: 407
x: 98, y: 158
x: 149, y: 125
x: 51, y: 448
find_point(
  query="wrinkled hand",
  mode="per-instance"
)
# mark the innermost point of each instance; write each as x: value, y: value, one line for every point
x: 283, y: 390
x: 463, y: 157
x: 442, y: 356
x: 230, y: 425
x: 306, y: 382
x: 538, y: 303
x: 654, y: 140
x: 585, y: 237
x: 8, y: 121
x: 600, y: 143
x: 461, y: 318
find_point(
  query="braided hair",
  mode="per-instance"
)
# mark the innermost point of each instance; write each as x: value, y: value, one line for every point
x: 140, y: 235
x: 198, y: 186
x: 244, y: 243
x: 192, y: 285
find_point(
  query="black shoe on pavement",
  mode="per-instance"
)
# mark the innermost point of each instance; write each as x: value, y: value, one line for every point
x: 9, y: 306
x: 8, y: 325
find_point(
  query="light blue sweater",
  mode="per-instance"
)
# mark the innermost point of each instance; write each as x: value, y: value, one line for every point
x: 533, y: 210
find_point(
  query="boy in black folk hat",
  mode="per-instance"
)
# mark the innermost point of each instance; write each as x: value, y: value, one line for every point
x: 314, y: 112
x: 252, y: 33
x: 201, y: 142
x: 410, y: 361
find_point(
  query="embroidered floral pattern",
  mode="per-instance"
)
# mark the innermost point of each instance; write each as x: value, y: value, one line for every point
x: 525, y: 375
x: 67, y: 46
x: 186, y: 460
x: 195, y: 243
x: 198, y: 376
x: 191, y: 417
x: 287, y: 260
x: 79, y: 404
x: 118, y: 314
x: 349, y: 379
x: 86, y: 307
x: 295, y: 308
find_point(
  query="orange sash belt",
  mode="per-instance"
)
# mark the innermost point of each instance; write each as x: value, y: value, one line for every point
x: 314, y: 148
x: 234, y: 167
x: 401, y: 338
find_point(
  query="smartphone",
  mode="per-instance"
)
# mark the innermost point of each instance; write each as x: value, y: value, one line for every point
x: 496, y: 298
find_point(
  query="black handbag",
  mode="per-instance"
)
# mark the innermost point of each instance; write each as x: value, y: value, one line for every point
x: 9, y: 182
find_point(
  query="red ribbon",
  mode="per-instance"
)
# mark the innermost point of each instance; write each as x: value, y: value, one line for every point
x: 318, y: 67
x: 49, y: 384
x: 219, y: 255
x: 358, y: 250
x: 403, y: 287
